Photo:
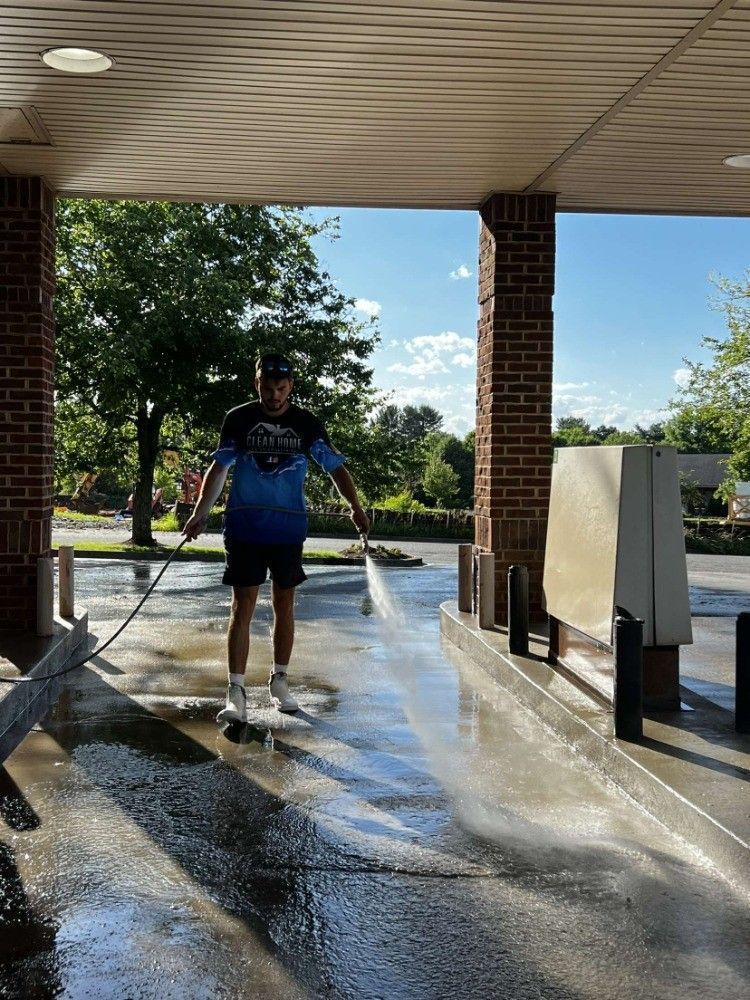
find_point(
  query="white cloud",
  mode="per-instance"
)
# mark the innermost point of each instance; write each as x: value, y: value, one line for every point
x: 463, y: 360
x: 368, y: 307
x: 461, y: 271
x: 439, y: 343
x: 409, y: 394
x: 682, y: 377
x: 646, y: 417
x: 568, y: 386
x: 604, y: 410
x: 596, y: 413
x: 420, y: 367
x: 571, y: 400
x: 463, y: 419
x: 427, y: 353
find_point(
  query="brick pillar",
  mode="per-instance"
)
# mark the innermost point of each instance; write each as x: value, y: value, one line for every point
x: 514, y: 386
x: 27, y: 274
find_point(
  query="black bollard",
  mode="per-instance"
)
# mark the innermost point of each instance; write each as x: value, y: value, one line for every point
x: 742, y: 676
x: 518, y: 610
x: 628, y: 695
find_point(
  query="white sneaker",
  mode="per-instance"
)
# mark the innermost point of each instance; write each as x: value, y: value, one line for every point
x: 236, y: 707
x: 279, y: 691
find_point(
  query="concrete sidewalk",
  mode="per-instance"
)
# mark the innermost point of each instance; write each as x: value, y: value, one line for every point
x: 690, y: 771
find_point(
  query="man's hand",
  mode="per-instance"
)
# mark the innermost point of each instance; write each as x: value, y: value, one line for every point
x: 194, y: 526
x: 361, y: 520
x: 212, y: 487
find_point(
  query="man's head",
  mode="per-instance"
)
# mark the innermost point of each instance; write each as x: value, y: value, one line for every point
x: 274, y: 382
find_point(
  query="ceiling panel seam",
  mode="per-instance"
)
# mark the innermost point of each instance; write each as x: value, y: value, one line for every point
x: 664, y: 63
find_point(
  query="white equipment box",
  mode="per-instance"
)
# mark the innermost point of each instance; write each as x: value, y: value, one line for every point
x: 615, y: 538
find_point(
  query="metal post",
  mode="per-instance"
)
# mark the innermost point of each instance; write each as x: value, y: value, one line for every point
x: 65, y: 581
x: 628, y: 695
x: 464, y: 576
x: 486, y: 589
x: 742, y: 677
x: 518, y: 610
x: 45, y: 596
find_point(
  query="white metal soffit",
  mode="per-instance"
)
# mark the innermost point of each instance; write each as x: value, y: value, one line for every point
x: 616, y: 106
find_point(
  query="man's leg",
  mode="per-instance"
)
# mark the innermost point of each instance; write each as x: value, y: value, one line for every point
x: 238, y: 635
x: 283, y: 624
x: 238, y: 647
x: 283, y: 641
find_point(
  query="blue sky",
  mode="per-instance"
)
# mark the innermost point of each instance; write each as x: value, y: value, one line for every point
x: 633, y: 298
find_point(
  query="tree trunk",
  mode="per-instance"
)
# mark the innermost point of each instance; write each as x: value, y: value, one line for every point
x: 148, y: 430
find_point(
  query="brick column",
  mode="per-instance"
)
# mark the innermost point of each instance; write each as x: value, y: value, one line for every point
x: 514, y: 386
x: 27, y: 274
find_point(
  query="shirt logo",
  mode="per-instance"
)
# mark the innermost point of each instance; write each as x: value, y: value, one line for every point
x: 270, y: 439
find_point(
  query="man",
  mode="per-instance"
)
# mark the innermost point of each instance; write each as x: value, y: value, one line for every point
x: 267, y: 441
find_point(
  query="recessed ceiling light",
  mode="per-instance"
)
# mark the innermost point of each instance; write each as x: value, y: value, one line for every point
x: 742, y: 161
x: 71, y: 60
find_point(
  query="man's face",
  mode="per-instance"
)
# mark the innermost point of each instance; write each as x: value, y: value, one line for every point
x: 273, y: 392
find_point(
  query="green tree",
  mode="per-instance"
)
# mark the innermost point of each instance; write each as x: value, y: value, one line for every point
x: 572, y: 432
x: 459, y: 455
x: 440, y: 481
x: 162, y: 309
x: 603, y: 431
x: 697, y: 430
x: 419, y: 421
x: 406, y: 431
x: 718, y: 392
x: 389, y: 420
x: 404, y: 503
x: 653, y: 434
x: 623, y: 437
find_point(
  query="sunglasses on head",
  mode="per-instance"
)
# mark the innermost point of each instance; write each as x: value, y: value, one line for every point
x: 277, y: 368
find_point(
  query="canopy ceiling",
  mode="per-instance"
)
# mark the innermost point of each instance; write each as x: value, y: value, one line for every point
x: 627, y: 107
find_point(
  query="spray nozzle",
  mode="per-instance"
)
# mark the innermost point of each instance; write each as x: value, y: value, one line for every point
x: 365, y: 543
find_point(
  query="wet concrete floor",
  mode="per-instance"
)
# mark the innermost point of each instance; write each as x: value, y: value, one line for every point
x: 411, y: 833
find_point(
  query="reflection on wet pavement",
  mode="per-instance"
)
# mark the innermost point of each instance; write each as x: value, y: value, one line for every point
x: 409, y: 833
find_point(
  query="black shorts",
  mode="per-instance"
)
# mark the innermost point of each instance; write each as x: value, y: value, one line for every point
x: 247, y: 564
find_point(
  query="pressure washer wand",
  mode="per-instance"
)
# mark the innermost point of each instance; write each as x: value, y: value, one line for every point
x: 365, y: 543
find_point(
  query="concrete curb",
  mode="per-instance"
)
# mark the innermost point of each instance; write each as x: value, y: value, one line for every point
x: 26, y: 704
x: 585, y: 725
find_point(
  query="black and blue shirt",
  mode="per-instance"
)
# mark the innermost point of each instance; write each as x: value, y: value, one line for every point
x: 269, y: 454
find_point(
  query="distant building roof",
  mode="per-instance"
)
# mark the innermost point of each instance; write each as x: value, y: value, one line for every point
x: 707, y: 470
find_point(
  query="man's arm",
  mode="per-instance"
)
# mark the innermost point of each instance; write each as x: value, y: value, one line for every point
x: 210, y: 491
x: 345, y: 485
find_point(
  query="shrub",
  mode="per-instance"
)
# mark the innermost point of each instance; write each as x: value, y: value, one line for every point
x: 404, y: 503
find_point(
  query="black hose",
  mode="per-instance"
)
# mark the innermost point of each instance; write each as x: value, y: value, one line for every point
x: 96, y: 652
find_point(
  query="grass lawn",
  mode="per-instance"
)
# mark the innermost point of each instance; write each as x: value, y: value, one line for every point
x: 162, y: 551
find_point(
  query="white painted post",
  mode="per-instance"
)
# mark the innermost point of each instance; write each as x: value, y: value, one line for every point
x: 65, y: 581
x: 464, y: 576
x: 45, y: 596
x: 486, y: 589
